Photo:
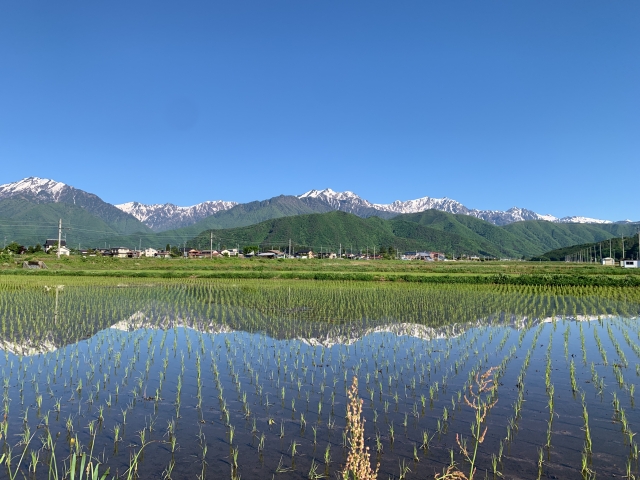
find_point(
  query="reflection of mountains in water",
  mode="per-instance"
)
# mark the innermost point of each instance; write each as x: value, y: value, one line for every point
x: 344, y: 334
x: 348, y: 334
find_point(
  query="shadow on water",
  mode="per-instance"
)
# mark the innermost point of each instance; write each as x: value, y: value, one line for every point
x: 247, y: 379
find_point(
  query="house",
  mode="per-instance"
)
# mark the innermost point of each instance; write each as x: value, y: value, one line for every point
x: 630, y: 263
x: 163, y: 254
x: 230, y: 252
x: 64, y: 251
x: 149, y: 252
x: 52, y: 242
x: 120, y: 252
x: 608, y: 261
x: 267, y: 255
x: 304, y: 254
x: 193, y: 253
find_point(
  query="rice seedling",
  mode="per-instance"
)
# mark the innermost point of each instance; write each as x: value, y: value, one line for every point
x: 200, y: 339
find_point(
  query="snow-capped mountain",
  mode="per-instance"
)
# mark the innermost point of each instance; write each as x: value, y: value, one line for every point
x: 344, y: 201
x: 582, y: 220
x: 168, y: 216
x: 44, y: 190
x: 350, y: 202
x: 41, y: 190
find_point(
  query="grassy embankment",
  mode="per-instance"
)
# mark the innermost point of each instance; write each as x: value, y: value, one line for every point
x: 514, y: 273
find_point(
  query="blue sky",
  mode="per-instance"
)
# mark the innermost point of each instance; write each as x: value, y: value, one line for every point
x: 494, y: 104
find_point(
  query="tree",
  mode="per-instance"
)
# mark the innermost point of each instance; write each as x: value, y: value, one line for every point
x: 250, y: 248
x: 14, y: 248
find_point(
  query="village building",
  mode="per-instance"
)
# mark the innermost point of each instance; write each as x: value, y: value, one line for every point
x: 630, y: 263
x: 51, y: 243
x: 120, y: 252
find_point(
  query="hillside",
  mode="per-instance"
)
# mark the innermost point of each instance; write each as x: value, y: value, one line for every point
x: 430, y: 230
x: 550, y: 236
x: 599, y: 250
x: 329, y: 230
x: 35, y: 190
x: 482, y: 236
x: 31, y: 223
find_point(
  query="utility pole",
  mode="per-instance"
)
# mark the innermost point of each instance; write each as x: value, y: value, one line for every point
x: 289, y: 248
x: 622, y: 248
x: 340, y: 252
x: 211, y: 245
x: 59, y: 236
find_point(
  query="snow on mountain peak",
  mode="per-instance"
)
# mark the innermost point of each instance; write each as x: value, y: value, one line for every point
x: 34, y: 186
x: 328, y: 193
x: 579, y: 219
x: 421, y: 204
x: 165, y: 216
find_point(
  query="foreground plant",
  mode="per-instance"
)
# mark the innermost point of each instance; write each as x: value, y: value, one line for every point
x: 358, y: 466
x: 482, y: 393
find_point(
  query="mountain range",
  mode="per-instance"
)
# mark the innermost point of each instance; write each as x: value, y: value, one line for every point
x: 30, y: 209
x: 168, y: 216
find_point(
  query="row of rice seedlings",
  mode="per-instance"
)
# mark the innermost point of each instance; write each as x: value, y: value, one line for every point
x: 90, y: 392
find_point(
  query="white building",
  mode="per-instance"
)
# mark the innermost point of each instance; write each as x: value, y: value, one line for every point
x: 608, y: 261
x: 630, y: 263
x: 150, y: 252
x: 120, y: 252
x: 230, y: 252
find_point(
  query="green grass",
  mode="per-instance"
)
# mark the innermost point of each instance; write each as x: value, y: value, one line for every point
x: 514, y: 273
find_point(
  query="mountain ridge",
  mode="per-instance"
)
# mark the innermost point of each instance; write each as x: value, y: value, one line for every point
x: 168, y: 216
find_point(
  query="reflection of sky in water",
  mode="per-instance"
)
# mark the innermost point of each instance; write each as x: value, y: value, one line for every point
x: 412, y: 376
x: 397, y: 376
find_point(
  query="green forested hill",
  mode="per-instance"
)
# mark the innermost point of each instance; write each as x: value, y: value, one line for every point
x: 597, y: 250
x: 329, y: 230
x: 430, y: 230
x: 550, y: 236
x: 31, y: 223
x: 486, y: 238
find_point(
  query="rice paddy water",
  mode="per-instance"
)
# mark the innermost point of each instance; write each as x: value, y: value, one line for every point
x: 113, y: 378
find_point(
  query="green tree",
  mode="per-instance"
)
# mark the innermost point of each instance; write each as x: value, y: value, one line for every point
x: 14, y: 248
x: 250, y: 248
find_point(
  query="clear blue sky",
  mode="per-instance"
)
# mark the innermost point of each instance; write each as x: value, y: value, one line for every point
x: 492, y: 103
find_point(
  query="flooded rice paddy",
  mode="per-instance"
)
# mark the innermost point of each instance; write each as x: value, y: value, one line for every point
x: 249, y: 379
